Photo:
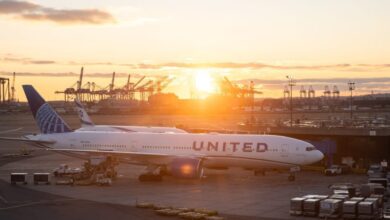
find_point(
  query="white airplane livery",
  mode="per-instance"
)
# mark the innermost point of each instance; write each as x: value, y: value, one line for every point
x: 183, y: 155
x: 88, y: 125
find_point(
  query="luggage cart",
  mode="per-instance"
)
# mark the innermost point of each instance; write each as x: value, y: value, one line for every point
x: 18, y: 178
x: 296, y: 206
x: 41, y: 178
x: 311, y: 207
x: 368, y: 210
x: 330, y: 208
x: 349, y: 209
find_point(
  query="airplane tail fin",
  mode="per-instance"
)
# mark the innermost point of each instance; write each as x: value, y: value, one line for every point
x: 47, y: 119
x: 85, y: 120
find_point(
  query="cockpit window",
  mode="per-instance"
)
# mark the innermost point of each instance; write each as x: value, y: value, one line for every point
x: 310, y: 148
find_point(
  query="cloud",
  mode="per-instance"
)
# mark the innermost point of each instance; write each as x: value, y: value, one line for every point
x: 255, y: 65
x: 11, y: 7
x: 213, y: 65
x: 15, y: 59
x: 72, y: 74
x: 42, y: 62
x: 379, y: 80
x: 34, y: 12
x: 73, y: 63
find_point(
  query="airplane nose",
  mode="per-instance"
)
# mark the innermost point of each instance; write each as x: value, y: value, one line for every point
x: 319, y: 155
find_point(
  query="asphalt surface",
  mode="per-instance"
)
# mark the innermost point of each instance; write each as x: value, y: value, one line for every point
x: 18, y: 202
x: 21, y: 203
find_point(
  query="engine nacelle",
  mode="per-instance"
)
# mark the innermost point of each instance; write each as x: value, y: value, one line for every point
x: 187, y: 168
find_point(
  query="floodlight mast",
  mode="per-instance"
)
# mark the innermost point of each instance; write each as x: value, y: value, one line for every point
x: 351, y: 87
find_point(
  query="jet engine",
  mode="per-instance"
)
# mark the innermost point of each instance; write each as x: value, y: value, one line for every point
x: 187, y: 168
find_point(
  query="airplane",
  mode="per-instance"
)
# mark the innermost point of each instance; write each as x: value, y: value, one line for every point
x: 181, y: 155
x: 88, y: 125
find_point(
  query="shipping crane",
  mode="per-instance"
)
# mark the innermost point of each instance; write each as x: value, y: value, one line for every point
x: 302, y: 92
x: 4, y: 90
x: 336, y: 92
x: 71, y: 92
x: 13, y: 90
x: 312, y: 92
x: 327, y: 92
x: 143, y: 89
x: 163, y: 85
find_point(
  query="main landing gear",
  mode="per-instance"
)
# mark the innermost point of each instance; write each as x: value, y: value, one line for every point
x: 153, y: 174
x: 291, y: 177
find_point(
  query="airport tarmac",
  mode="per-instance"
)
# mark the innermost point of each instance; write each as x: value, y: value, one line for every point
x: 234, y: 192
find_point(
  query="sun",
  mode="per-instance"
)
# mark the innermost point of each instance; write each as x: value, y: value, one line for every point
x: 204, y: 82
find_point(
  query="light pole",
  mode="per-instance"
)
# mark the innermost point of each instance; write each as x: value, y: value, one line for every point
x: 291, y: 83
x: 351, y: 87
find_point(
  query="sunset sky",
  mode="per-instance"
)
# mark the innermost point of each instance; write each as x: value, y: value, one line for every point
x: 316, y: 42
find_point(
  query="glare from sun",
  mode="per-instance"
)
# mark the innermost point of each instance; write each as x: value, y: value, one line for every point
x: 204, y: 82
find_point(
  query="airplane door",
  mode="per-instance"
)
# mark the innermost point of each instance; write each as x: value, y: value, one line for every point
x: 284, y: 150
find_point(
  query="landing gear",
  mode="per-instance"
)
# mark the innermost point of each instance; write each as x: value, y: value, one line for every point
x: 293, y: 171
x: 153, y: 174
x: 164, y: 171
x: 291, y: 177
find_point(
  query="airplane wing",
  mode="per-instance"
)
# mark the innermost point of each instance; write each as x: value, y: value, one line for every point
x: 111, y: 152
x: 26, y: 140
x: 132, y: 157
x: 12, y: 130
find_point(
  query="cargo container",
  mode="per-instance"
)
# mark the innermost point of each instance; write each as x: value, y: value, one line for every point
x: 296, y: 205
x: 370, y: 188
x: 339, y: 197
x: 377, y: 201
x: 368, y: 210
x: 382, y: 181
x: 359, y: 199
x: 18, y: 178
x: 381, y: 199
x: 349, y: 210
x: 386, y: 213
x: 321, y: 197
x: 330, y: 208
x: 315, y: 196
x: 41, y: 178
x: 344, y: 189
x: 311, y: 207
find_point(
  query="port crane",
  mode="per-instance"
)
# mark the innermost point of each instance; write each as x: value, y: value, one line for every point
x: 4, y: 90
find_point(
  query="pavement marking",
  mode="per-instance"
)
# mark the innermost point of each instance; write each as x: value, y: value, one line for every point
x: 36, y: 203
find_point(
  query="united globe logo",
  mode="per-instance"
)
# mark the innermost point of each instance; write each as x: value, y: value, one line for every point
x: 49, y: 121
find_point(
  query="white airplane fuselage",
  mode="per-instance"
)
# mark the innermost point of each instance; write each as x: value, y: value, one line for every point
x: 218, y: 150
x: 131, y: 128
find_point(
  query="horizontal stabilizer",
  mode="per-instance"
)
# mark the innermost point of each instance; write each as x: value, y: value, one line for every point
x: 26, y: 140
x: 10, y: 131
